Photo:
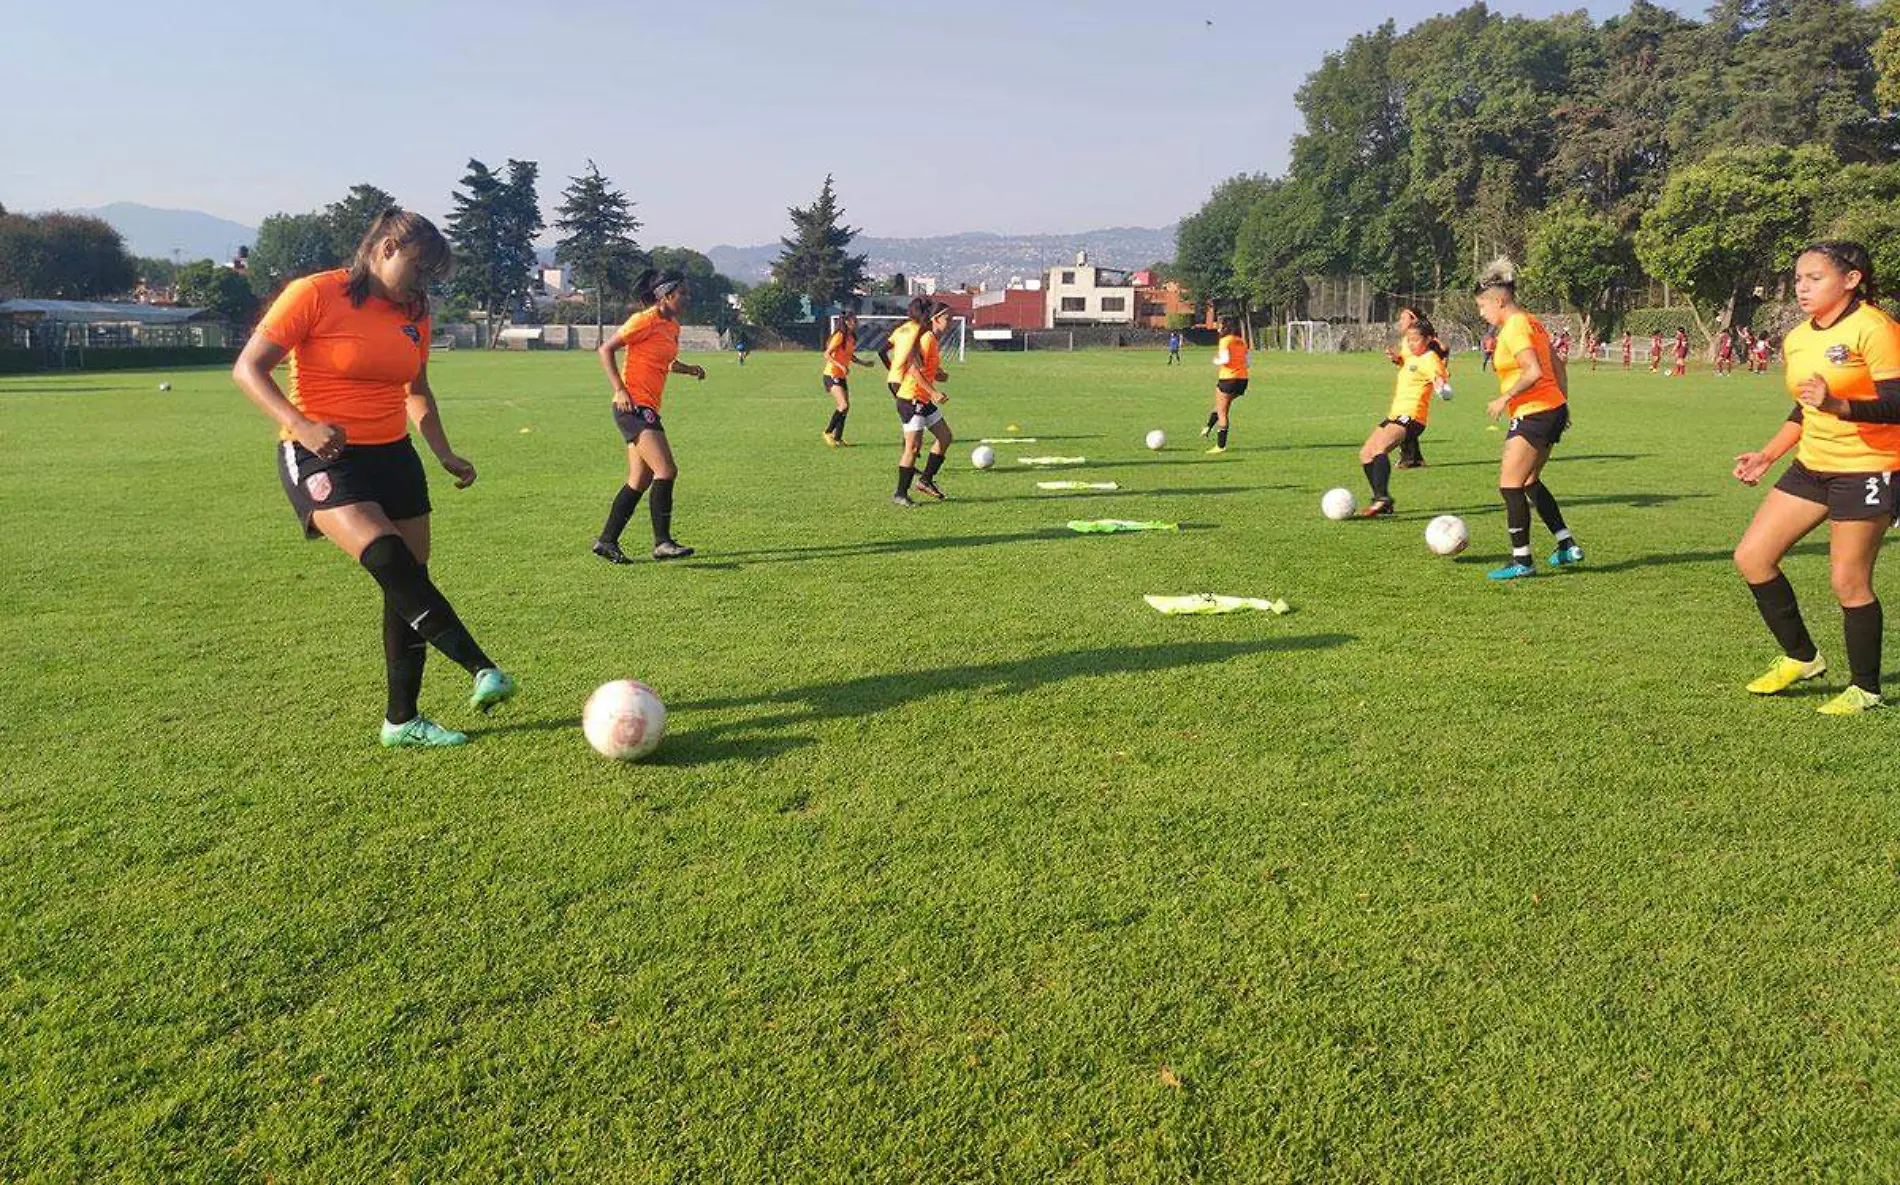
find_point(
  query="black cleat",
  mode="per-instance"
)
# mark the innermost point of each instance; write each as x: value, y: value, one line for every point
x: 1410, y: 465
x: 926, y: 486
x: 666, y: 549
x: 611, y: 552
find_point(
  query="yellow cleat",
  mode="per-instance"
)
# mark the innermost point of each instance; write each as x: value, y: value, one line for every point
x: 1851, y: 702
x: 1217, y: 450
x: 830, y: 439
x: 1786, y: 673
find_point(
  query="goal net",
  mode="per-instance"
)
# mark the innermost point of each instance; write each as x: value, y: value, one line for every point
x: 874, y: 329
x: 1314, y: 337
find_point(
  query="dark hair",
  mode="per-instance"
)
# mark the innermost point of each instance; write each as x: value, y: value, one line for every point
x: 918, y: 309
x: 650, y: 279
x: 1230, y: 326
x: 434, y: 260
x: 1848, y: 256
x: 1426, y: 330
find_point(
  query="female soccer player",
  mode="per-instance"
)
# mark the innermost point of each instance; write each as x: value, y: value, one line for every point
x: 651, y: 338
x: 1422, y: 371
x: 1629, y: 349
x: 1682, y: 353
x: 1411, y: 455
x: 1724, y: 353
x: 841, y: 354
x: 358, y: 343
x: 1844, y: 373
x: 915, y: 361
x: 1230, y: 382
x: 1655, y: 351
x: 1534, y: 390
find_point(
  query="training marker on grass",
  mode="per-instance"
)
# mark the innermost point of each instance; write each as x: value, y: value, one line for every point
x: 1203, y: 603
x: 1077, y: 485
x: 1008, y: 440
x: 1052, y: 460
x: 1113, y: 526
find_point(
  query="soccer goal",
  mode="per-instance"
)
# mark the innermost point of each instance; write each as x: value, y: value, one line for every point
x: 1315, y: 337
x: 874, y: 329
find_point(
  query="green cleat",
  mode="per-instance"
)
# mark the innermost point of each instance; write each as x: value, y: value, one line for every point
x: 1786, y: 673
x: 1511, y: 571
x: 1566, y: 557
x: 420, y: 734
x: 1851, y: 702
x: 493, y: 687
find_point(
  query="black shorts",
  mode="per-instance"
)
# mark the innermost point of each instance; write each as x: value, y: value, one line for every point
x: 641, y: 419
x: 1543, y: 429
x: 1413, y: 428
x: 841, y: 384
x: 916, y: 415
x: 1232, y: 388
x: 388, y: 475
x: 1849, y: 497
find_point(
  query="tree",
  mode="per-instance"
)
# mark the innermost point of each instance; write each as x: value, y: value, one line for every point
x: 1274, y: 250
x: 63, y: 257
x: 597, y: 224
x: 289, y: 246
x: 155, y: 272
x: 707, y: 291
x: 814, y: 262
x: 771, y: 305
x: 351, y: 218
x: 206, y: 285
x: 1887, y: 57
x: 1577, y: 257
x: 493, y: 228
x: 1205, y: 240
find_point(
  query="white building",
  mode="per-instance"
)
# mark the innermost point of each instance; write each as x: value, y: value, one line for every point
x: 1089, y: 295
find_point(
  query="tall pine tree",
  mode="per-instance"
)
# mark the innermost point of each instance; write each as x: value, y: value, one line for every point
x: 351, y: 218
x: 596, y: 223
x: 493, y: 228
x: 814, y: 261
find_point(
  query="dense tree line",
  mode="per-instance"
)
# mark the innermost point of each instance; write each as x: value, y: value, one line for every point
x: 1648, y: 147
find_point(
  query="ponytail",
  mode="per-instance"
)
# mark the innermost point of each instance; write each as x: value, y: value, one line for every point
x: 434, y: 260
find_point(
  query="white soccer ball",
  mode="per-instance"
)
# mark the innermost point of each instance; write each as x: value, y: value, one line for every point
x: 982, y: 456
x: 1447, y: 535
x: 1338, y: 504
x: 1157, y: 439
x: 164, y: 386
x: 624, y: 720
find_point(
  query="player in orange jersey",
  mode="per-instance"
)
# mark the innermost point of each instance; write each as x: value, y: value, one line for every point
x: 1230, y: 381
x: 840, y: 356
x: 358, y: 344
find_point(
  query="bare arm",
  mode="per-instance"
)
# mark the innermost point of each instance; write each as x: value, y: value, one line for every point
x: 609, y: 354
x: 698, y: 372
x: 427, y: 418
x: 252, y: 374
x: 1562, y: 368
x: 1749, y: 467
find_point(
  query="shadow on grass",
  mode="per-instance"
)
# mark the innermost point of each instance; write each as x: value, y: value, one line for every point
x: 1065, y: 495
x: 1556, y: 458
x: 1661, y: 559
x: 1636, y: 501
x: 727, y: 560
x: 7, y: 388
x: 868, y: 695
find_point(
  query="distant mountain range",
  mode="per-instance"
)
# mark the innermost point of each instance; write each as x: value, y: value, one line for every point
x: 971, y: 258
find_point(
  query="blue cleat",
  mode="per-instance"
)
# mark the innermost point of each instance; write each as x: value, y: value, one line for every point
x: 492, y: 689
x: 1566, y: 556
x: 420, y: 734
x: 1511, y: 571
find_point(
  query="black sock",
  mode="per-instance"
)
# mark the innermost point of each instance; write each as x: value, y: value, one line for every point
x: 408, y: 591
x: 1409, y: 452
x: 1517, y: 519
x: 905, y: 474
x: 617, y: 517
x: 660, y: 506
x: 1782, y: 614
x: 404, y: 653
x: 841, y: 419
x: 1221, y: 438
x: 1548, y: 510
x: 1213, y: 418
x: 934, y: 463
x: 834, y: 425
x: 1863, y: 624
x: 1379, y: 476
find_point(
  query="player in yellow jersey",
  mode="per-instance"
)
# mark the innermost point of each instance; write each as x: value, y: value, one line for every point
x: 1534, y: 390
x: 1844, y: 373
x: 1422, y: 373
x: 1230, y: 383
x: 915, y: 362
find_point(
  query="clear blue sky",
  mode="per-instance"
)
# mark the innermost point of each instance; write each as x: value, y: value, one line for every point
x: 1022, y: 115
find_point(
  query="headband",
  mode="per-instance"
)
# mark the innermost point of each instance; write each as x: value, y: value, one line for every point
x: 660, y: 290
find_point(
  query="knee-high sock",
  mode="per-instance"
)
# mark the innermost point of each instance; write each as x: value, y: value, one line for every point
x: 404, y: 653
x: 1550, y: 512
x: 1517, y: 519
x: 1221, y: 438
x: 619, y: 513
x: 931, y: 465
x: 1409, y: 451
x: 408, y: 590
x: 1862, y: 624
x: 905, y: 475
x: 1213, y: 418
x: 660, y: 507
x: 1782, y: 614
x: 1379, y: 476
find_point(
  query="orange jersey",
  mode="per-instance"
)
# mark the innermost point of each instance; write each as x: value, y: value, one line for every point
x: 899, y: 343
x: 838, y: 353
x: 929, y: 359
x: 1525, y: 332
x: 1232, y: 357
x: 349, y: 366
x: 1419, y: 376
x: 1854, y: 353
x: 653, y: 344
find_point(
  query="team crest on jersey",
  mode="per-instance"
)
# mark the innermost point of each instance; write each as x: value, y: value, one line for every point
x: 1838, y: 355
x: 412, y: 333
x: 319, y: 487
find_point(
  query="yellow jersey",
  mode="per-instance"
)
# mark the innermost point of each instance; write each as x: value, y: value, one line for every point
x: 1419, y: 376
x: 1860, y: 349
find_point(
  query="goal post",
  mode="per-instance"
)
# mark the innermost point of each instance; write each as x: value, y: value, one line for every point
x: 1314, y: 337
x: 874, y: 329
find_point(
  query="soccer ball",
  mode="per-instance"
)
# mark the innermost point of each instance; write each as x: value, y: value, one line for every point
x: 1447, y: 535
x: 982, y: 456
x: 624, y: 720
x: 164, y: 386
x: 1338, y: 504
x: 1156, y: 439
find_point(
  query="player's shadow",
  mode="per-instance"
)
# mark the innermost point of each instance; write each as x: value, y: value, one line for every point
x: 1635, y: 501
x: 1665, y: 559
x: 728, y: 560
x: 765, y: 736
x: 1493, y: 461
x: 7, y: 388
x: 1056, y: 496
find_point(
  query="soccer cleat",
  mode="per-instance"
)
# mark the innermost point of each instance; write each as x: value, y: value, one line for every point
x: 420, y: 734
x: 1206, y: 430
x: 1786, y: 673
x: 493, y: 687
x: 1410, y: 465
x: 831, y: 440
x: 926, y: 486
x: 1380, y: 508
x: 1850, y: 702
x: 1566, y: 556
x: 611, y: 552
x: 1217, y: 450
x: 901, y: 500
x: 666, y: 549
x: 1511, y: 571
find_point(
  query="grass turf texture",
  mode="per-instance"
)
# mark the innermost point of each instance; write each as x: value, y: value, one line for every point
x: 959, y: 862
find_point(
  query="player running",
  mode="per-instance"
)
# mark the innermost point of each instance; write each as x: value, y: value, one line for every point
x: 841, y: 354
x: 651, y: 338
x: 1423, y: 371
x: 358, y: 343
x: 1534, y: 390
x: 1843, y: 368
x: 1230, y: 382
x: 915, y: 357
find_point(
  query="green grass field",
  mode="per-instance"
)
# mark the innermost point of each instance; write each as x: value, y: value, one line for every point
x: 959, y: 863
